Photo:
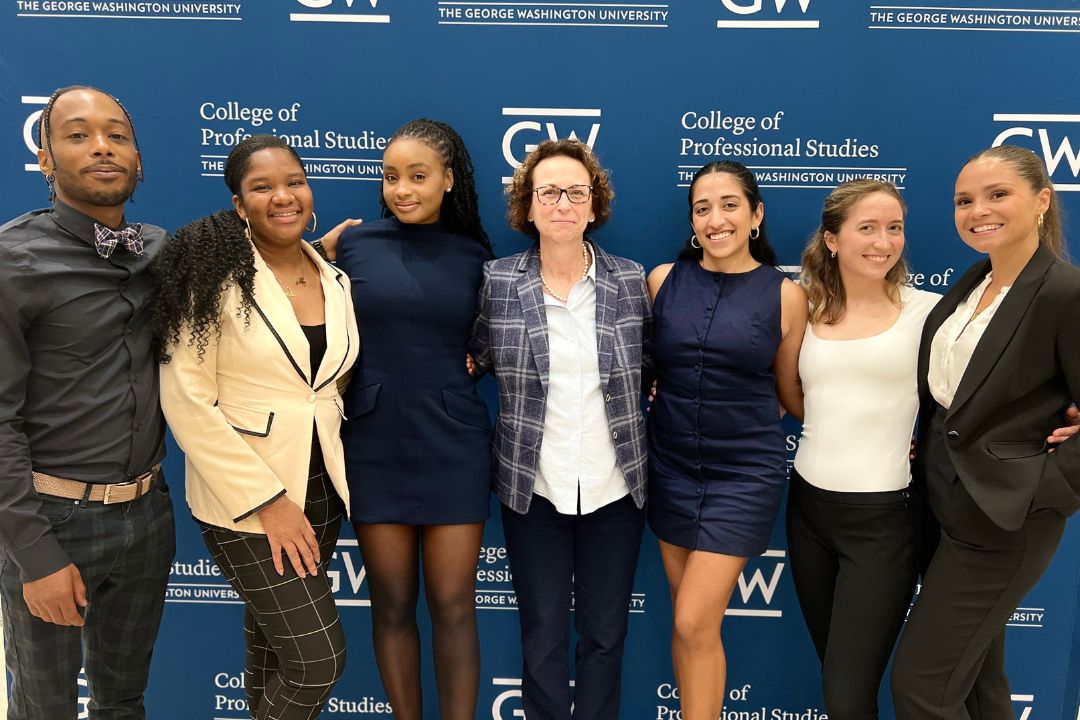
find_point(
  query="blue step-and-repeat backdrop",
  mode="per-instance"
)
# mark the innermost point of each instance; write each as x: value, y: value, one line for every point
x: 808, y: 93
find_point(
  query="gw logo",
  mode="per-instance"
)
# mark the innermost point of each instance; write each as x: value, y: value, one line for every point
x: 754, y: 7
x: 511, y: 696
x: 548, y: 128
x: 1048, y: 138
x: 756, y: 594
x: 347, y: 566
x: 1026, y: 704
x: 30, y: 128
x: 348, y: 16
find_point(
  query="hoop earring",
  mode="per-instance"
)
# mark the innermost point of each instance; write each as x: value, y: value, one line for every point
x: 833, y: 254
x: 314, y: 223
x: 694, y: 243
x: 49, y: 180
x: 755, y: 233
x: 1041, y: 219
x: 247, y: 228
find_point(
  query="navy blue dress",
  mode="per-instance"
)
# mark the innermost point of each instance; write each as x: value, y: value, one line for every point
x: 717, y: 456
x: 416, y: 436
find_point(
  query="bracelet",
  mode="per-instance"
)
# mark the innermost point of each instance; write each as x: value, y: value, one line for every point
x: 317, y: 245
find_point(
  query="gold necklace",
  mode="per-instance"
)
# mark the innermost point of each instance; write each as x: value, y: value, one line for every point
x: 584, y: 274
x: 301, y: 280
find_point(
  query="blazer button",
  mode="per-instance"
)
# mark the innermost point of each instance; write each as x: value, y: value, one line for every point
x: 614, y: 435
x: 311, y: 399
x: 607, y: 397
x: 953, y: 434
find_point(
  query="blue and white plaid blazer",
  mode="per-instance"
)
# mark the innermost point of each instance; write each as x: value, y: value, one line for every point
x: 510, y: 339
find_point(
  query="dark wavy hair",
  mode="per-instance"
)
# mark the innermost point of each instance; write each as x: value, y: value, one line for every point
x: 202, y: 260
x: 460, y: 211
x: 760, y: 249
x: 519, y: 193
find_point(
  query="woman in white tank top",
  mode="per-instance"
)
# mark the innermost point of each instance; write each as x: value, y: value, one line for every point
x: 850, y: 516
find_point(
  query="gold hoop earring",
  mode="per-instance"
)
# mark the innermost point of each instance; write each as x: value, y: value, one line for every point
x: 755, y: 233
x: 314, y: 222
x: 833, y: 254
x: 694, y: 242
x: 1041, y: 219
x: 247, y: 228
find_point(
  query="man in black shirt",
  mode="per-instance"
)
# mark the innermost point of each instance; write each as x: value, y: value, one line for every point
x: 86, y: 523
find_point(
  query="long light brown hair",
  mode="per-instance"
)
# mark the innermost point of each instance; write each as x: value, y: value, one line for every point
x: 820, y: 270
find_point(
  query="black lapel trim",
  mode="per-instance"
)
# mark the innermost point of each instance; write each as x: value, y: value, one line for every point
x: 281, y: 342
x: 348, y: 341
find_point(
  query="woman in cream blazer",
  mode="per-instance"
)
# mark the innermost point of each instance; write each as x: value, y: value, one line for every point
x: 256, y: 332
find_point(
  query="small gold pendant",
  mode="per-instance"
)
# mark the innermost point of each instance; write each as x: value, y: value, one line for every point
x: 301, y: 281
x: 289, y: 292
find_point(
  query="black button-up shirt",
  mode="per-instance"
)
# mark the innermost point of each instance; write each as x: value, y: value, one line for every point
x: 78, y: 378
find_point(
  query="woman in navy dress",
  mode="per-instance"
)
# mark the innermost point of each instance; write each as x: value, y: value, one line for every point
x: 417, y: 437
x: 728, y: 326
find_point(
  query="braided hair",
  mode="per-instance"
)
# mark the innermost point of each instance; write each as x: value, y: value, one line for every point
x: 45, y: 128
x: 460, y: 209
x: 203, y: 259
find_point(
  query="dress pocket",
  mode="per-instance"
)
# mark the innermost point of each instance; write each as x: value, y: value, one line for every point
x: 467, y: 409
x: 255, y: 422
x: 362, y: 401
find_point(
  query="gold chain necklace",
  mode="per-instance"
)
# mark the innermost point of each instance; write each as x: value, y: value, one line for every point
x: 301, y: 280
x: 584, y: 274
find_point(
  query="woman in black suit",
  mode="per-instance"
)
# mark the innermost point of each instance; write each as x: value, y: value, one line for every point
x: 999, y: 364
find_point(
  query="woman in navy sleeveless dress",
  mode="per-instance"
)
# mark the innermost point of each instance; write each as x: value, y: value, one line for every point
x: 728, y: 326
x: 417, y: 437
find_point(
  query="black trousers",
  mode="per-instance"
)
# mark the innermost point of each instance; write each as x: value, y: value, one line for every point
x: 953, y: 645
x: 295, y: 643
x: 594, y: 557
x: 853, y: 563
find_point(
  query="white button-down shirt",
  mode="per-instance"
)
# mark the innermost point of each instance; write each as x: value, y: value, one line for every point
x: 577, y: 456
x: 954, y: 343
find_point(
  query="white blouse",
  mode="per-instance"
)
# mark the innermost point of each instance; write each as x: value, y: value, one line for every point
x: 578, y: 470
x: 955, y: 342
x: 861, y: 398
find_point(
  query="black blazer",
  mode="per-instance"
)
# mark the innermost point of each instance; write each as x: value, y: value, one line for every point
x: 1024, y: 373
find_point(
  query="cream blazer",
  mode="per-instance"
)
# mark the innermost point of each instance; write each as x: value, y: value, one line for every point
x: 243, y: 414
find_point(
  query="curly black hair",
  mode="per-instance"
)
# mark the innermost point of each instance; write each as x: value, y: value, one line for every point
x: 460, y: 209
x: 202, y: 259
x: 190, y: 273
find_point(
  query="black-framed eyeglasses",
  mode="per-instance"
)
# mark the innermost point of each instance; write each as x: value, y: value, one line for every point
x: 551, y: 195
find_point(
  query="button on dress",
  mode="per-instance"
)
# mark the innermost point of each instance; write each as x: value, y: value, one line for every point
x: 717, y: 455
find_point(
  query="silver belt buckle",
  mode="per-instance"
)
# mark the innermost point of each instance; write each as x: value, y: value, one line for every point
x: 107, y: 497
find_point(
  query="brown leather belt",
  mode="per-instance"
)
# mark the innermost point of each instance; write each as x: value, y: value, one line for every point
x: 106, y: 493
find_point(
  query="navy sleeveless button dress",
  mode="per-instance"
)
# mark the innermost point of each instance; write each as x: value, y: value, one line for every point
x: 717, y: 455
x: 417, y: 437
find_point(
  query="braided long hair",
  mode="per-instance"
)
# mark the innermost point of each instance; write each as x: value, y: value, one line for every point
x: 45, y: 128
x: 460, y: 210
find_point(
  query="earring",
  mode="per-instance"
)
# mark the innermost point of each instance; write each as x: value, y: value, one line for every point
x: 833, y: 254
x: 49, y: 180
x: 1041, y: 219
x: 247, y: 228
x: 448, y: 189
x: 755, y: 233
x: 314, y: 222
x: 694, y: 242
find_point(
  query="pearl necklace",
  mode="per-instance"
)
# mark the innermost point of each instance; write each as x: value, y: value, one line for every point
x: 584, y: 274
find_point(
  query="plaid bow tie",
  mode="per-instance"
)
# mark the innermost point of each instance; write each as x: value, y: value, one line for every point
x: 106, y: 239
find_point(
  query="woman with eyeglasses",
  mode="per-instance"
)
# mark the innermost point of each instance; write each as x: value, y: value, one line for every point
x: 565, y: 328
